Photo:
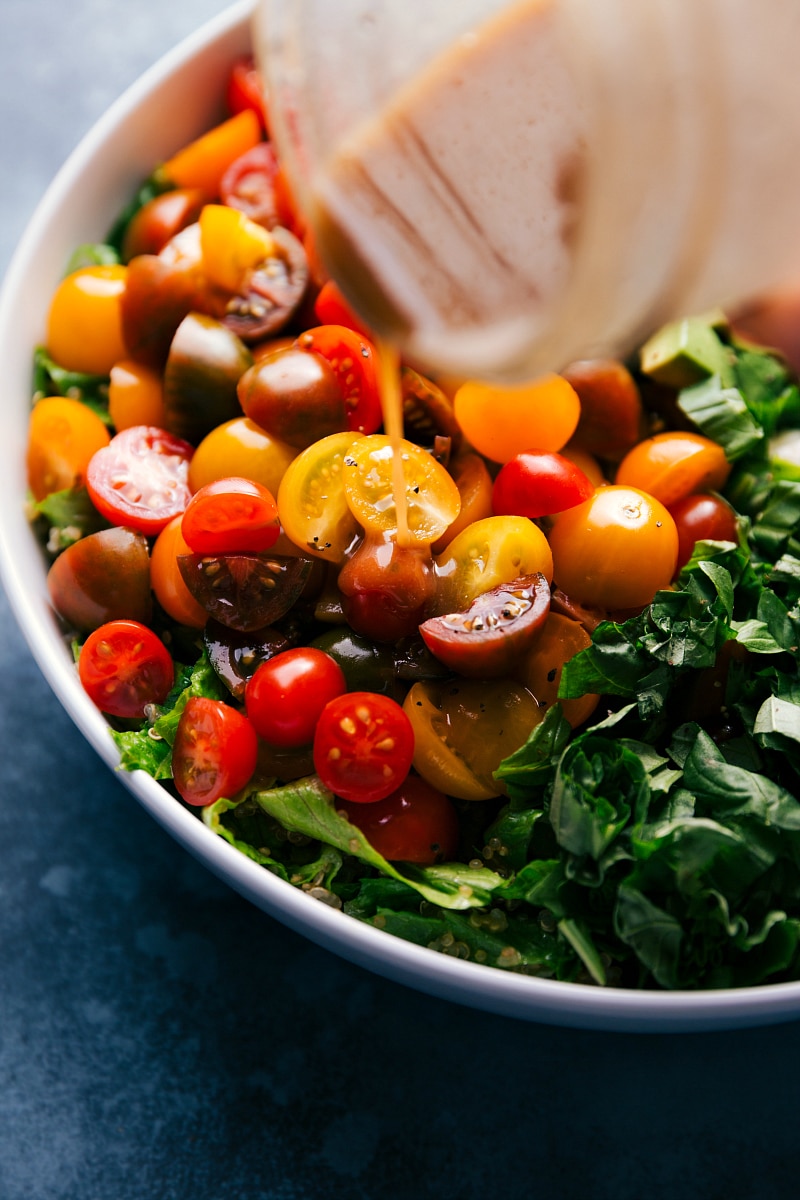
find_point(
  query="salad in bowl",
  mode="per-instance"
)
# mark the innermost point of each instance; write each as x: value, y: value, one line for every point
x: 503, y: 704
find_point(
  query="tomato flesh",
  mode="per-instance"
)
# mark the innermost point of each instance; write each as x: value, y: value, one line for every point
x: 286, y: 695
x: 124, y: 667
x: 214, y: 753
x: 141, y: 478
x: 415, y: 823
x: 363, y: 746
x: 231, y: 516
x: 249, y: 185
x: 244, y: 591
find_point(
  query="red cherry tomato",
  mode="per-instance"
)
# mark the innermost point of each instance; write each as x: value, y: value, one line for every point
x: 140, y: 479
x: 245, y: 90
x: 331, y: 308
x: 286, y: 695
x: 702, y: 517
x: 249, y: 185
x: 231, y: 516
x: 214, y: 753
x: 539, y: 483
x: 123, y: 667
x: 415, y: 823
x: 354, y: 361
x: 363, y: 746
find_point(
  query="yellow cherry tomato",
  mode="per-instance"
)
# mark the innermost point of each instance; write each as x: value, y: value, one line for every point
x: 503, y: 421
x: 616, y: 550
x: 62, y: 437
x: 311, y: 501
x: 464, y: 728
x: 135, y: 396
x: 542, y: 664
x: 432, y: 498
x: 484, y: 555
x: 240, y: 447
x: 84, y: 324
x: 671, y: 466
x: 231, y: 245
x: 166, y: 580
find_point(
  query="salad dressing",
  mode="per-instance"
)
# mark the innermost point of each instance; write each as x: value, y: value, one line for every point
x: 392, y: 407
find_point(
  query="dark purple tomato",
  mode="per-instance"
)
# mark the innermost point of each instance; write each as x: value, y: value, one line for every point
x: 294, y: 395
x: 102, y: 577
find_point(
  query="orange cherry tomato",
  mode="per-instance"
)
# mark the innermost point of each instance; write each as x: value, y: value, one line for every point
x: 204, y: 161
x: 165, y: 577
x: 62, y: 438
x: 84, y: 324
x: 135, y: 396
x: 672, y: 465
x: 616, y: 550
x: 240, y: 447
x: 503, y: 421
x: 540, y: 667
x: 474, y: 485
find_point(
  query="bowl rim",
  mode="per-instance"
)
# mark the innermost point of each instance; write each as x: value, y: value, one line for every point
x: 475, y: 985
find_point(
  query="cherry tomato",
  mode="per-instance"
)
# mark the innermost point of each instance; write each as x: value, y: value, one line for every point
x: 235, y: 656
x: 63, y: 436
x: 485, y: 555
x: 672, y: 465
x: 100, y: 578
x: 287, y: 694
x: 158, y: 221
x: 432, y: 498
x: 124, y: 667
x: 245, y: 89
x: 612, y: 415
x: 214, y: 753
x: 231, y: 245
x: 140, y: 479
x: 415, y: 823
x: 294, y: 395
x: 464, y: 728
x: 703, y: 518
x: 84, y: 324
x: 539, y: 667
x: 487, y: 639
x: 240, y: 447
x: 539, y: 483
x: 503, y: 421
x: 311, y: 501
x: 331, y: 308
x: 229, y: 516
x: 271, y: 293
x: 135, y: 396
x: 386, y: 589
x: 615, y: 550
x: 249, y: 185
x: 245, y: 591
x: 427, y: 412
x: 166, y: 580
x: 474, y: 484
x: 203, y: 162
x: 353, y: 360
x: 363, y: 746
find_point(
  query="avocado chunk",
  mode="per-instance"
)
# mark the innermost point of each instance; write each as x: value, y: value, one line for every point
x: 686, y: 351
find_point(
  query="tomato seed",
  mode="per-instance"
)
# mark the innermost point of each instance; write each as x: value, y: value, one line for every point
x: 347, y: 725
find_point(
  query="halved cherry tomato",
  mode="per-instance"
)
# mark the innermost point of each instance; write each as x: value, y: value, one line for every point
x: 538, y: 483
x: 487, y: 640
x: 231, y: 245
x: 503, y: 421
x: 672, y: 465
x: 427, y: 412
x: 311, y: 501
x: 214, y: 753
x: 101, y: 578
x: 159, y: 220
x: 249, y: 185
x: 235, y: 656
x: 486, y: 554
x: 386, y: 588
x: 287, y: 694
x: 84, y: 323
x: 63, y: 437
x: 230, y: 516
x: 612, y: 415
x: 432, y: 498
x: 331, y: 308
x: 271, y: 293
x: 203, y: 162
x: 363, y: 746
x: 615, y: 550
x: 353, y: 359
x: 135, y: 395
x: 474, y: 485
x: 240, y: 447
x: 140, y: 479
x: 539, y: 667
x: 245, y: 89
x: 166, y: 580
x: 415, y: 823
x: 124, y: 667
x: 702, y: 517
x: 242, y: 590
x: 294, y: 395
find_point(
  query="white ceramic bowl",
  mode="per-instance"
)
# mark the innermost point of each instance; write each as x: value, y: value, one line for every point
x: 171, y: 103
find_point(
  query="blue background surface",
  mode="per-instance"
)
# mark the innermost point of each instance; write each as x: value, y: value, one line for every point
x: 160, y: 1038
